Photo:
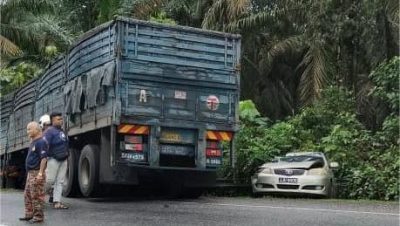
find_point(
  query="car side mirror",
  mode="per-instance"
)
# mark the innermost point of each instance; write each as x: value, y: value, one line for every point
x: 334, y: 165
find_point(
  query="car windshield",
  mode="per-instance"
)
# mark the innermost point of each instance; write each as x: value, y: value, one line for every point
x: 301, y: 158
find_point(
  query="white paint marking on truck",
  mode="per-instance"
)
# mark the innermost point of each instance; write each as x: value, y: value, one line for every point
x: 143, y: 96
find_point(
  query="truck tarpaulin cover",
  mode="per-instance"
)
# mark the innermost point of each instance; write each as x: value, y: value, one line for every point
x: 89, y: 85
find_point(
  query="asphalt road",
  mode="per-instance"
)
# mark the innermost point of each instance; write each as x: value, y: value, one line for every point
x: 206, y: 211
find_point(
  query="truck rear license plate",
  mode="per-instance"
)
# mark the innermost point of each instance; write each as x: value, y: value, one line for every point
x: 132, y: 156
x: 213, y: 161
x: 169, y: 136
x: 288, y: 180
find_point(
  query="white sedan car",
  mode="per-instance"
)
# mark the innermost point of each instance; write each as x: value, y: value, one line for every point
x: 297, y: 172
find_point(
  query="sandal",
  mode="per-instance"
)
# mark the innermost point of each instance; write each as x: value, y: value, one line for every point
x: 60, y: 205
x: 35, y: 221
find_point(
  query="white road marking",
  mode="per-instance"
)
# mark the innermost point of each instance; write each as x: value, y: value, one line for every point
x: 297, y: 208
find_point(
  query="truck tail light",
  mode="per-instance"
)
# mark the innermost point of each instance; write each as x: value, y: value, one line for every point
x: 133, y: 139
x: 213, y: 153
x: 134, y: 147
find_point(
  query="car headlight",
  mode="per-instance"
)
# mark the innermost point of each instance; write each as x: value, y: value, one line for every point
x: 265, y: 170
x: 317, y: 171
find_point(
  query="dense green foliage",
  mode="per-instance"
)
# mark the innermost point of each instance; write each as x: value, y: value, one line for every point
x: 369, y: 161
x: 17, y: 75
x: 386, y: 78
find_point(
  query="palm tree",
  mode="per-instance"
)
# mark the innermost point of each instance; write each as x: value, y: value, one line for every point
x: 279, y: 36
x: 31, y: 26
x: 293, y: 49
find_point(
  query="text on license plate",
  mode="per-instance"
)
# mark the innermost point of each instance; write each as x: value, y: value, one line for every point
x: 288, y: 180
x: 171, y: 136
x: 213, y: 161
x: 132, y: 156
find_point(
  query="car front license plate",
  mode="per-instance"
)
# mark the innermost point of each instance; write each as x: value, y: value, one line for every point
x: 288, y: 180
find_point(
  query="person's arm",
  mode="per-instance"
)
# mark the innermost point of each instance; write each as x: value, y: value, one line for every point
x: 43, y: 165
x: 42, y: 148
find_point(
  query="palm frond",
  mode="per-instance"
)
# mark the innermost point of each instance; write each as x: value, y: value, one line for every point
x: 143, y: 9
x: 287, y: 99
x: 253, y: 21
x: 237, y: 8
x: 46, y: 28
x: 213, y: 15
x: 201, y: 8
x: 33, y: 6
x: 222, y: 12
x: 265, y: 18
x: 284, y: 47
x: 8, y: 48
x: 392, y: 9
x: 314, y: 76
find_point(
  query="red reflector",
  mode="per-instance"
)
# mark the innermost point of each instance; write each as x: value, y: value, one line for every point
x: 134, y: 147
x: 212, y: 144
x: 213, y: 153
x: 134, y: 139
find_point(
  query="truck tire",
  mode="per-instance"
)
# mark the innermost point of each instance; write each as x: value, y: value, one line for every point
x: 71, y: 186
x: 88, y: 170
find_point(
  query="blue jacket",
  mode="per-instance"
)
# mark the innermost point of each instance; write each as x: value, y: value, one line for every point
x: 58, y: 143
x: 37, y: 151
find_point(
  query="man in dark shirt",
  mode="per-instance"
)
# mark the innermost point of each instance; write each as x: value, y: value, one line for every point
x: 36, y: 161
x: 58, y: 154
x: 45, y: 123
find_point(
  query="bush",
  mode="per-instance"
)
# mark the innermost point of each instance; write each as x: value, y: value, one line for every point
x: 369, y: 163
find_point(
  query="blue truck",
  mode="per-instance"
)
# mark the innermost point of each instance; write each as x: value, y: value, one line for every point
x: 142, y: 103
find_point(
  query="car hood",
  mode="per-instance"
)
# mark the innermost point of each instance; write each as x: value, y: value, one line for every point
x: 289, y: 165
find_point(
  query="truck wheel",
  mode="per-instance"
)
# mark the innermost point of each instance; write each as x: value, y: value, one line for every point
x: 88, y: 170
x: 71, y: 187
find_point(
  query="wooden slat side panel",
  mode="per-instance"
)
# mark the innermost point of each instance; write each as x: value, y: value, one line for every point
x: 179, y: 47
x: 92, y: 53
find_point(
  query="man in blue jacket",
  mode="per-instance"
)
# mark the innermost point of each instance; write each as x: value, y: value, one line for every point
x: 35, y: 166
x: 57, y: 158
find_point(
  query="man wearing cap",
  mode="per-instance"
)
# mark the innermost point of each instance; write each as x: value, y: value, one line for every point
x: 58, y: 154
